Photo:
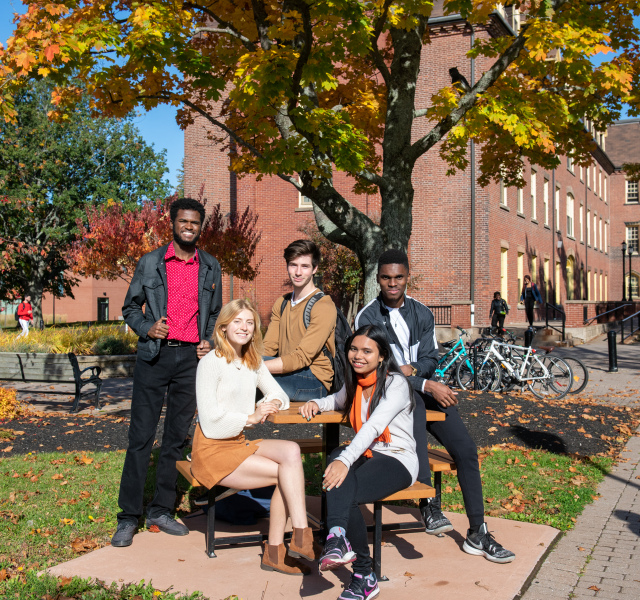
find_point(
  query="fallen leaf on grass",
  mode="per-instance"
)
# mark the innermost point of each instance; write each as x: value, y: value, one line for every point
x: 7, y: 449
x: 80, y: 545
x: 67, y: 521
x: 3, y: 574
x: 58, y: 476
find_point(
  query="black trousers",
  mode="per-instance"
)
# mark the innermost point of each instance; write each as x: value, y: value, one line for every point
x: 528, y: 309
x: 454, y: 436
x: 172, y: 372
x: 497, y: 320
x: 368, y: 480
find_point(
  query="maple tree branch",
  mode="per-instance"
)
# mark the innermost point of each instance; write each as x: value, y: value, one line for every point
x: 375, y: 35
x: 260, y: 18
x: 468, y: 100
x: 419, y: 113
x: 246, y: 42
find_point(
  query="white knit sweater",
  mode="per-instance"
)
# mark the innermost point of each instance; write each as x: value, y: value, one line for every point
x: 226, y: 395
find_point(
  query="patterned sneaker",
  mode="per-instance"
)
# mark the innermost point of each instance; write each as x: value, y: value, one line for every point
x: 337, y: 551
x: 435, y: 522
x: 484, y: 544
x: 361, y: 588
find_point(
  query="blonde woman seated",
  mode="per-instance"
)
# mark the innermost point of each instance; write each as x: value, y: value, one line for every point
x: 226, y: 384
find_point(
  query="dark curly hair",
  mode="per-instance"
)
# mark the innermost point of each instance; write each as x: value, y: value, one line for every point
x: 186, y: 204
x: 393, y: 257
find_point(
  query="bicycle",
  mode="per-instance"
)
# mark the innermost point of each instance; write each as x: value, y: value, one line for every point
x: 546, y: 377
x: 446, y: 369
x: 579, y: 372
x: 488, y: 371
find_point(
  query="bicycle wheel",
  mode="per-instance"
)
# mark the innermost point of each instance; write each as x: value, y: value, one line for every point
x: 580, y: 375
x: 488, y: 373
x: 544, y: 372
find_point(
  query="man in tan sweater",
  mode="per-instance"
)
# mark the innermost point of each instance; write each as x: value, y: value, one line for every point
x: 302, y: 362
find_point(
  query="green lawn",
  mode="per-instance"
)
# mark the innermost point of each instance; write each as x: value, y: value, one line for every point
x: 54, y: 507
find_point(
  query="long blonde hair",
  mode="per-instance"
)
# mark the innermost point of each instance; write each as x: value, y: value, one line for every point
x: 251, y: 351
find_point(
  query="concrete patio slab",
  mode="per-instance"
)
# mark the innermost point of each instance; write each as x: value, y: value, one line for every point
x: 414, y: 562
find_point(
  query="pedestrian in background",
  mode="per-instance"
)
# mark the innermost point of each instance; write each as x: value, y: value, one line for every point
x: 530, y: 295
x: 499, y: 310
x: 25, y: 316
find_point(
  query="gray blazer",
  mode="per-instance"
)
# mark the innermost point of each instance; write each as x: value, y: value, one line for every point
x: 148, y: 288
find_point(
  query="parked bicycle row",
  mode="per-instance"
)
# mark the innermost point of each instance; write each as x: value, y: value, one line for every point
x: 495, y: 362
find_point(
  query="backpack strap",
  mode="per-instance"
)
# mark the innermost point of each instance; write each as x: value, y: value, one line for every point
x: 286, y: 299
x: 307, y: 309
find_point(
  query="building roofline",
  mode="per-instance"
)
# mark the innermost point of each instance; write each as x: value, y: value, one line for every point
x: 625, y: 121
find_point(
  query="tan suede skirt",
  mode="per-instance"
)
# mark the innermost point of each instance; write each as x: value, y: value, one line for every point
x: 213, y: 460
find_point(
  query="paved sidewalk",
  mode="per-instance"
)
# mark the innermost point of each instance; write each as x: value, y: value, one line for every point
x: 600, y: 557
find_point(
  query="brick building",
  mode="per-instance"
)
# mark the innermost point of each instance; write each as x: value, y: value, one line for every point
x: 623, y: 146
x: 467, y: 241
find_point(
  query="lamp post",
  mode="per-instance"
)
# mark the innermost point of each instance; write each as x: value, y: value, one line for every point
x: 630, y: 252
x: 624, y: 287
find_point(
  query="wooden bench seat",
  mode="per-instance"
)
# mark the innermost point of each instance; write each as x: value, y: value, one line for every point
x: 51, y: 368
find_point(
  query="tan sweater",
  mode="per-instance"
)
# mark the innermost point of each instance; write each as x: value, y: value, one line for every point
x: 299, y: 347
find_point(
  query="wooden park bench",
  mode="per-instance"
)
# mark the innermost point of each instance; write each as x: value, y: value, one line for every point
x: 51, y: 368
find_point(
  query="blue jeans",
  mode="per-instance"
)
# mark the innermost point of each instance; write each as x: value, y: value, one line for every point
x: 301, y: 385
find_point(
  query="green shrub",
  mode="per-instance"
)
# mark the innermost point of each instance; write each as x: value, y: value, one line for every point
x: 110, y: 344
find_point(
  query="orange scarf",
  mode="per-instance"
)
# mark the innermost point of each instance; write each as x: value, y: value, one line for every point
x: 355, y: 416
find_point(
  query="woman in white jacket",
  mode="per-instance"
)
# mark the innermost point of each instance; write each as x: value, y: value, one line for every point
x: 226, y: 383
x: 380, y: 460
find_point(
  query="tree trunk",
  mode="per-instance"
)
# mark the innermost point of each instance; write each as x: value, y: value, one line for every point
x: 35, y: 289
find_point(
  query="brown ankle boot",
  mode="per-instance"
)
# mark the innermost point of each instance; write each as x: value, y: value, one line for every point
x: 274, y: 558
x: 302, y: 544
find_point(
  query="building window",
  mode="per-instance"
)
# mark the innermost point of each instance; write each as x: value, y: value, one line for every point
x: 581, y: 223
x: 545, y: 200
x: 520, y: 201
x: 520, y: 270
x: 570, y: 282
x: 604, y: 194
x: 534, y: 196
x: 557, y: 200
x: 595, y: 232
x: 600, y: 183
x: 534, y: 268
x: 304, y: 203
x: 605, y: 248
x: 600, y: 235
x: 581, y: 171
x: 606, y: 288
x: 634, y: 284
x: 632, y: 239
x: 569, y: 164
x: 546, y: 279
x: 503, y: 193
x: 504, y: 273
x: 581, y: 284
x: 589, y: 286
x: 588, y: 228
x: 570, y: 203
x: 632, y: 192
x: 103, y: 309
x: 558, y: 282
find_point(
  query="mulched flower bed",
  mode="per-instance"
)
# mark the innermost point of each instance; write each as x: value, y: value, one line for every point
x: 573, y: 426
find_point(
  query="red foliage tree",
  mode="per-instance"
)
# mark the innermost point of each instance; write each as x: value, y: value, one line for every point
x: 114, y: 239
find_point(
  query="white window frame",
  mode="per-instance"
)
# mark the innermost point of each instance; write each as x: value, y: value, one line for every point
x: 545, y: 200
x: 631, y: 192
x: 581, y: 223
x: 570, y: 215
x: 632, y: 234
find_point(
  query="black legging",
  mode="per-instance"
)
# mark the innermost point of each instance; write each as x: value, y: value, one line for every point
x: 497, y: 321
x: 528, y: 309
x: 368, y: 480
x: 453, y: 435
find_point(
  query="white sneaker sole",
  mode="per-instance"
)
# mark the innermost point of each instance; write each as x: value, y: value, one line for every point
x: 438, y: 530
x: 469, y: 549
x: 330, y: 564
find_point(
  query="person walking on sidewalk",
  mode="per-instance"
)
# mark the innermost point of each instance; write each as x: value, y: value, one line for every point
x: 180, y: 290
x: 25, y: 316
x: 226, y: 384
x: 380, y: 460
x: 530, y: 295
x: 410, y: 327
x: 498, y: 312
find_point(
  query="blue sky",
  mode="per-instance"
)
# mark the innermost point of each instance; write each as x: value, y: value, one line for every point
x: 158, y: 127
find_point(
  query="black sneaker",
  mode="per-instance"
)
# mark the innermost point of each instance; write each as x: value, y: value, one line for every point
x: 168, y: 524
x: 337, y: 551
x: 484, y: 544
x: 124, y: 534
x: 435, y: 522
x: 361, y: 588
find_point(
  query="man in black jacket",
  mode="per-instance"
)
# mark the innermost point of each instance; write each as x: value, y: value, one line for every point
x: 410, y: 327
x: 180, y: 289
